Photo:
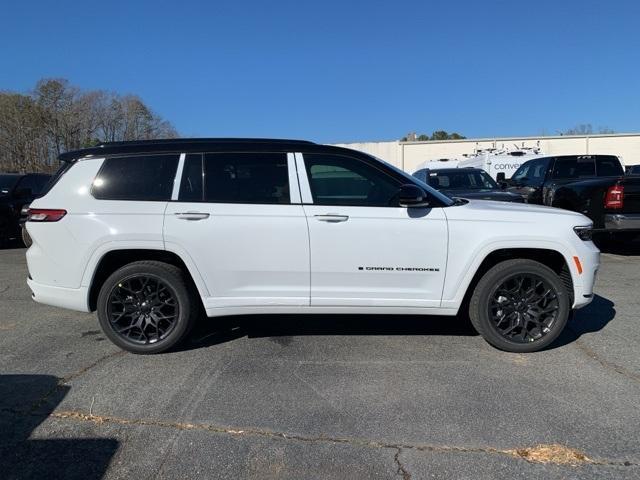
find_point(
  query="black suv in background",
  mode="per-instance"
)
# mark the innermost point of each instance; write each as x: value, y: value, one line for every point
x: 470, y: 182
x: 16, y: 191
x: 594, y: 185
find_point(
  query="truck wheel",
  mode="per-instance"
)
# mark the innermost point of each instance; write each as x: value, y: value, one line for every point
x: 26, y: 238
x: 519, y: 306
x: 147, y: 307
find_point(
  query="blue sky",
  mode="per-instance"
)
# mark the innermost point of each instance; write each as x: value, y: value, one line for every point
x: 334, y: 71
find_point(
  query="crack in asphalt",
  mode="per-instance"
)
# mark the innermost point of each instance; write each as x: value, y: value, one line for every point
x: 589, y: 352
x: 572, y: 458
x: 64, y: 380
x: 401, y: 470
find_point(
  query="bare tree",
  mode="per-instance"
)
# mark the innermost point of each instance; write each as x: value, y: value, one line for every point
x: 57, y: 116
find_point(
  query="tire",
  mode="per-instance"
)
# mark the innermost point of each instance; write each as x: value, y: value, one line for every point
x: 151, y: 303
x: 26, y: 238
x: 520, y: 319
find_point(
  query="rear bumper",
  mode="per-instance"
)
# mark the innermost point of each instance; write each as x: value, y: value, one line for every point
x: 622, y: 221
x: 71, y: 298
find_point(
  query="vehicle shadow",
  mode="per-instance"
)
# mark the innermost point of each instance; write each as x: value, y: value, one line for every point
x: 592, y: 318
x: 213, y: 331
x: 25, y: 402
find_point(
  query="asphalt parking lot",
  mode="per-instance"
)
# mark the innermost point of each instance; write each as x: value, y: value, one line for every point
x: 320, y: 396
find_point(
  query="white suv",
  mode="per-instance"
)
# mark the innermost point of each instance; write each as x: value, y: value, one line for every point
x: 152, y: 234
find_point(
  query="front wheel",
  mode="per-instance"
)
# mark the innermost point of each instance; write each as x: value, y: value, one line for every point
x: 147, y: 307
x: 520, y: 306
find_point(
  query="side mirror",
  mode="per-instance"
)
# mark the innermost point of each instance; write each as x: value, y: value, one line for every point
x: 500, y: 177
x: 23, y: 193
x: 412, y: 196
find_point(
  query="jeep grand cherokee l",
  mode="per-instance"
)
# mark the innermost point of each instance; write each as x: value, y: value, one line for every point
x: 150, y: 234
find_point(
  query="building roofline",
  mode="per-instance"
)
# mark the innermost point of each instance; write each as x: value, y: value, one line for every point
x: 511, y: 139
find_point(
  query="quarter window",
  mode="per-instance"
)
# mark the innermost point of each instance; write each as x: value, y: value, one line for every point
x: 340, y: 180
x: 143, y: 177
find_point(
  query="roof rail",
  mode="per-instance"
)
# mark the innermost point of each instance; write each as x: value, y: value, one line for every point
x: 176, y: 144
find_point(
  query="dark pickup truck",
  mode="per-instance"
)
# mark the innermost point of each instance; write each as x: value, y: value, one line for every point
x: 594, y: 185
x: 16, y: 191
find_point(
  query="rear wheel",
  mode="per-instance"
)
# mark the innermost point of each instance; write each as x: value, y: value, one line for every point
x: 147, y: 307
x: 520, y: 306
x: 26, y: 238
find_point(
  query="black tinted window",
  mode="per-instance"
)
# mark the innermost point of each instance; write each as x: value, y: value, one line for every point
x: 191, y: 186
x: 145, y: 177
x: 340, y: 180
x: 421, y: 175
x: 608, y: 166
x: 573, y: 167
x: 246, y: 178
x: 461, y: 180
x: 532, y: 172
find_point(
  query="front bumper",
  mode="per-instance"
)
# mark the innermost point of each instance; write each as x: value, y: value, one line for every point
x: 622, y: 221
x: 71, y: 298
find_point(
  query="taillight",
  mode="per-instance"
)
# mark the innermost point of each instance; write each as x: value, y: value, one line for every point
x: 45, y: 214
x: 614, y: 198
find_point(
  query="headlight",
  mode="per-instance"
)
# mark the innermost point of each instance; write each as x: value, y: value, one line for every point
x: 585, y: 233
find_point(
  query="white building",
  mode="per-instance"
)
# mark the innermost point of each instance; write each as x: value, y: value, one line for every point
x: 408, y: 155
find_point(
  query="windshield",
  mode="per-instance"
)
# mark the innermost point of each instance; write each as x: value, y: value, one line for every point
x: 462, y: 180
x: 7, y: 182
x: 411, y: 179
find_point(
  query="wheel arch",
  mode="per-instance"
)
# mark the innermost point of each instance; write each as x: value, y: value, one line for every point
x: 553, y: 259
x: 114, y: 259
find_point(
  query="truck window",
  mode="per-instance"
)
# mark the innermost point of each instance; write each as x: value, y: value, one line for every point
x: 573, y: 167
x: 532, y: 173
x: 608, y: 166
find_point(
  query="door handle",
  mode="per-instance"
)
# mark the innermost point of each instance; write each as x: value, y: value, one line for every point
x: 332, y: 218
x: 192, y: 215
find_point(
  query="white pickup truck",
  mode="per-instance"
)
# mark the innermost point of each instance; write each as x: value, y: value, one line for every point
x: 152, y: 235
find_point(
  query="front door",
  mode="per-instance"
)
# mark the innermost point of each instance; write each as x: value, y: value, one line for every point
x: 365, y: 249
x: 238, y: 216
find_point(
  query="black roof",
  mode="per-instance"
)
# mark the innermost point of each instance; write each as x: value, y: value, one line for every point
x: 185, y: 145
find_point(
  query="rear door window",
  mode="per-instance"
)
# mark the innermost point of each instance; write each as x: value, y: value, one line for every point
x: 254, y: 178
x: 140, y: 177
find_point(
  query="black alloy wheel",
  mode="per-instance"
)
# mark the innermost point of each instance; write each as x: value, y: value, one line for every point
x: 143, y: 309
x: 520, y: 305
x: 523, y: 308
x: 147, y: 306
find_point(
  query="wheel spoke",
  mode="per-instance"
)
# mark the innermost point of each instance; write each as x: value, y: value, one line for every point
x: 523, y: 308
x: 142, y: 309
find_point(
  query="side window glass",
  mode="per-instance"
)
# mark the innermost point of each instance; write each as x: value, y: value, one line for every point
x: 246, y: 178
x: 341, y: 180
x: 40, y: 182
x: 421, y: 175
x: 28, y: 182
x: 608, y: 166
x: 143, y: 177
x: 191, y: 184
x: 573, y: 167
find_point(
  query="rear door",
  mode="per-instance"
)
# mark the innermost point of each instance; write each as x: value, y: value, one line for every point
x: 239, y: 219
x: 365, y: 249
